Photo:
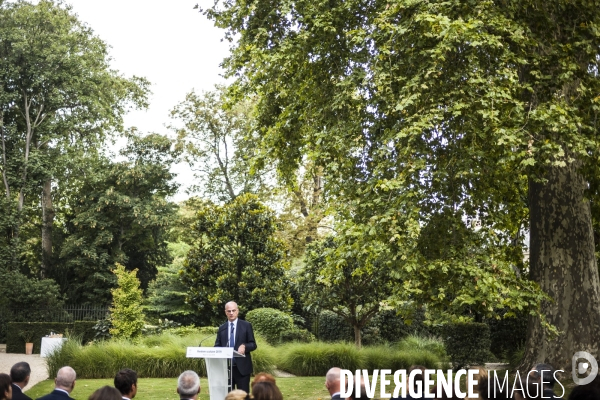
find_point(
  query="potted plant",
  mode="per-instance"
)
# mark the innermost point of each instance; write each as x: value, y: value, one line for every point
x: 27, y: 336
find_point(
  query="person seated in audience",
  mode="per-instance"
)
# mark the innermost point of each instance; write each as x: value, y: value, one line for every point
x: 333, y: 383
x: 495, y: 391
x: 5, y: 387
x: 126, y: 383
x: 106, y: 393
x: 480, y: 376
x: 535, y: 388
x: 20, y: 373
x: 266, y: 391
x: 263, y: 377
x: 64, y: 383
x: 237, y: 394
x: 417, y: 378
x: 591, y: 391
x: 188, y: 385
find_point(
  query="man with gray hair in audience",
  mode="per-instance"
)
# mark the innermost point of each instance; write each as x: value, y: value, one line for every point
x: 188, y: 385
x: 20, y: 373
x: 63, y: 385
x: 333, y: 383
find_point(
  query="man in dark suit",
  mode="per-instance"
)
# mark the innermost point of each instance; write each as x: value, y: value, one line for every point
x: 63, y: 385
x: 20, y: 373
x: 238, y: 334
x: 333, y: 383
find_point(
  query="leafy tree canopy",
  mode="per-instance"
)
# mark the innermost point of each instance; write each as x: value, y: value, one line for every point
x: 236, y: 258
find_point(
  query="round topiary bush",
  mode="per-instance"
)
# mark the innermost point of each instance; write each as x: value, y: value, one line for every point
x: 270, y: 323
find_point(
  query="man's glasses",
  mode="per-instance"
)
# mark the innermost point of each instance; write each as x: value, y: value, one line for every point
x: 230, y: 311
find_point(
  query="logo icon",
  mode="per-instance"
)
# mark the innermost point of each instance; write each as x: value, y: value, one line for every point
x: 580, y: 368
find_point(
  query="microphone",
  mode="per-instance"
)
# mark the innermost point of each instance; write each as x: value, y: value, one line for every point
x: 200, y: 345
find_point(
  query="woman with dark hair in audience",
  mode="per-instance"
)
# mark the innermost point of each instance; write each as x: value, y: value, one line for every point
x: 266, y: 391
x: 106, y: 393
x: 5, y: 387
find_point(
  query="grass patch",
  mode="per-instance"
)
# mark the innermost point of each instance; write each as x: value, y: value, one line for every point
x: 299, y: 388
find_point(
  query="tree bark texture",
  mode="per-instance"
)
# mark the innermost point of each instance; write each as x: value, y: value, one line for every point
x: 563, y: 262
x: 47, y: 224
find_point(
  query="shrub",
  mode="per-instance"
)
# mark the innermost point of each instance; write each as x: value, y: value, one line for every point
x: 296, y: 335
x: 333, y: 328
x: 157, y: 356
x: 270, y: 323
x: 315, y: 359
x: 467, y: 343
x: 388, y: 327
x: 507, y: 335
x: 126, y: 313
x: 419, y: 343
x: 380, y: 357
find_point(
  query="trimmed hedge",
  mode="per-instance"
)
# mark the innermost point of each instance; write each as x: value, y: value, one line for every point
x: 467, y: 343
x: 296, y: 335
x: 270, y: 323
x: 15, y: 342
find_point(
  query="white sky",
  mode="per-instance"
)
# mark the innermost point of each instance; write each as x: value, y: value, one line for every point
x: 166, y: 41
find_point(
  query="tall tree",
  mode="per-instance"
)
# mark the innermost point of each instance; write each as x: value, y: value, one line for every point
x: 218, y: 139
x: 57, y: 91
x: 350, y: 282
x: 481, y: 111
x: 121, y: 214
x: 236, y: 257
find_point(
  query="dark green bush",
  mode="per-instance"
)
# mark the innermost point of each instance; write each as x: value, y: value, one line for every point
x: 296, y: 335
x: 467, y: 343
x: 333, y: 328
x: 507, y: 335
x: 388, y: 327
x: 84, y: 331
x: 270, y: 323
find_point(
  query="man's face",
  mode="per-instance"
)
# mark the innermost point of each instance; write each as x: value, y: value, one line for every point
x: 231, y: 311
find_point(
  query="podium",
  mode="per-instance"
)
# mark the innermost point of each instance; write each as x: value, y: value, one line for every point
x: 216, y: 360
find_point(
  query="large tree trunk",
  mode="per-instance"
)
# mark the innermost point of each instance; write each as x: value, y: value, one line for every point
x: 47, y: 223
x: 563, y: 262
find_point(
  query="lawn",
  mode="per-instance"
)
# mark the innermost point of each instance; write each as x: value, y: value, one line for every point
x: 298, y: 388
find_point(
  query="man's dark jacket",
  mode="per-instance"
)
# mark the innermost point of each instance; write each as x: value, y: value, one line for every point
x: 18, y: 393
x: 55, y: 395
x: 243, y: 335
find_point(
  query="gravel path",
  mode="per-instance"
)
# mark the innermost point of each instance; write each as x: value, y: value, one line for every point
x: 37, y: 364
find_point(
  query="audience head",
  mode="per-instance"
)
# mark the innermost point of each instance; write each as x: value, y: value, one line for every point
x: 106, y: 393
x: 237, y: 395
x: 20, y: 373
x: 188, y: 385
x: 5, y: 387
x: 266, y: 391
x: 585, y: 392
x: 535, y: 375
x: 263, y: 377
x: 496, y: 392
x: 332, y: 380
x: 418, y: 377
x: 65, y: 379
x: 126, y: 382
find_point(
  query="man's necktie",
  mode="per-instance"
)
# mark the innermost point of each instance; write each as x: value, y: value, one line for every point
x: 232, y: 341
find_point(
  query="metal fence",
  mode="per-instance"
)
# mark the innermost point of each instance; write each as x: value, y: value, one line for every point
x: 68, y: 313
